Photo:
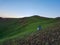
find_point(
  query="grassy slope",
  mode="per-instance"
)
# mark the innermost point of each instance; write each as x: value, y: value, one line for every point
x: 48, y: 36
x: 21, y: 28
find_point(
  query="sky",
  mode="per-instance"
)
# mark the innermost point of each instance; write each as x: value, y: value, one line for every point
x: 25, y: 8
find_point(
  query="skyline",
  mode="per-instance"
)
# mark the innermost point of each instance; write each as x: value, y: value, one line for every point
x: 24, y: 8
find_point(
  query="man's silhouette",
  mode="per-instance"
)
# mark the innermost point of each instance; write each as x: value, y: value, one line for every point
x: 39, y: 28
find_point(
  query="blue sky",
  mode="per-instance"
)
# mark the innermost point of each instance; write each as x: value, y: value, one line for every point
x: 23, y: 8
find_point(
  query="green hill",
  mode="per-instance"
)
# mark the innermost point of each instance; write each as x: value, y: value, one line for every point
x: 21, y: 28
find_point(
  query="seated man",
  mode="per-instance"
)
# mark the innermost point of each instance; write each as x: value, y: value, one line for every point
x: 39, y: 28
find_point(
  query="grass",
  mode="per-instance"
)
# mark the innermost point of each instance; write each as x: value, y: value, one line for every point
x: 15, y: 28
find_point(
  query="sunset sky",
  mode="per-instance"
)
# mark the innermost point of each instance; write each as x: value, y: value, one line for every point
x: 23, y: 8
